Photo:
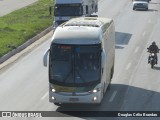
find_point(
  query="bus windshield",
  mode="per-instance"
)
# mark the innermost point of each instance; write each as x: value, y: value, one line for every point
x: 75, y: 65
x: 68, y: 10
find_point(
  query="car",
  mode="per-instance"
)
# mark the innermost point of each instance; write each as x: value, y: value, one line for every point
x: 140, y: 4
x: 142, y: 0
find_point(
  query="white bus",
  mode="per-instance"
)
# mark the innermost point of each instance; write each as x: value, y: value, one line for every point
x: 67, y: 9
x: 81, y: 60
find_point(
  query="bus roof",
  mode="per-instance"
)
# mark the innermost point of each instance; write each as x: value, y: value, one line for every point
x: 88, y: 21
x: 68, y: 1
x: 83, y: 30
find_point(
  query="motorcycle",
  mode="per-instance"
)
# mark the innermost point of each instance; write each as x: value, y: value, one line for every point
x: 152, y: 58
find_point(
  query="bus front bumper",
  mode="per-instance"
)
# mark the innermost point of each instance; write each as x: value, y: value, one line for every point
x: 90, y: 98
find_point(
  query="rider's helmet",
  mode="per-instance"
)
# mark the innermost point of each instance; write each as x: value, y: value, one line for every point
x: 153, y: 43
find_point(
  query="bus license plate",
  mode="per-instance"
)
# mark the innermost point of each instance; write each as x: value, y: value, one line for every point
x: 73, y: 99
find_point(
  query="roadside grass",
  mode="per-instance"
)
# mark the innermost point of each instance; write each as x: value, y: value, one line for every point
x: 19, y: 26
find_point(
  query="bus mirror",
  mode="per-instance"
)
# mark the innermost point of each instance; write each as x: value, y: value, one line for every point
x: 45, y: 60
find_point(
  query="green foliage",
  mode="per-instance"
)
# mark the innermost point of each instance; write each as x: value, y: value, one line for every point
x: 21, y: 25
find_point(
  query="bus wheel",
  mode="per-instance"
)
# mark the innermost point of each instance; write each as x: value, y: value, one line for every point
x: 108, y: 88
x: 111, y: 76
x: 97, y: 104
x: 104, y: 89
x: 112, y: 70
x: 58, y: 104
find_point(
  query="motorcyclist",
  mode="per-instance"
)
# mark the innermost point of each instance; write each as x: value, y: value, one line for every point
x: 153, y: 49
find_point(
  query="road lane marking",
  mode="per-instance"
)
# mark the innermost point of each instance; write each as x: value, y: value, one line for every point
x: 128, y: 66
x: 136, y: 50
x: 45, y: 95
x: 144, y: 33
x: 113, y: 96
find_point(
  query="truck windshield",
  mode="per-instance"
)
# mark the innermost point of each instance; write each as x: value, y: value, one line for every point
x: 75, y: 65
x: 68, y: 10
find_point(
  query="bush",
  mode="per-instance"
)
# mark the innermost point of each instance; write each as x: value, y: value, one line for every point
x: 21, y: 25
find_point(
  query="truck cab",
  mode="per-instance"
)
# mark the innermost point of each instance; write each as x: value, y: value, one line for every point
x: 64, y: 10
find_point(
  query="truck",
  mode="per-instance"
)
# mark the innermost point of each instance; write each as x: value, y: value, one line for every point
x: 67, y: 9
x: 81, y: 60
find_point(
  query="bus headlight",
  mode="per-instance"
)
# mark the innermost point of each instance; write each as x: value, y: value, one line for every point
x: 94, y: 98
x: 94, y: 91
x: 53, y: 98
x: 53, y: 90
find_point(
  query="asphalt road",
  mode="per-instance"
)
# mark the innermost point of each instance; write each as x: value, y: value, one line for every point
x: 135, y: 86
x: 7, y: 6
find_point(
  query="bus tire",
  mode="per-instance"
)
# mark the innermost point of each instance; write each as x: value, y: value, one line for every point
x: 98, y: 104
x: 112, y: 71
x: 111, y: 76
x: 57, y: 104
x: 104, y: 89
x: 108, y: 88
